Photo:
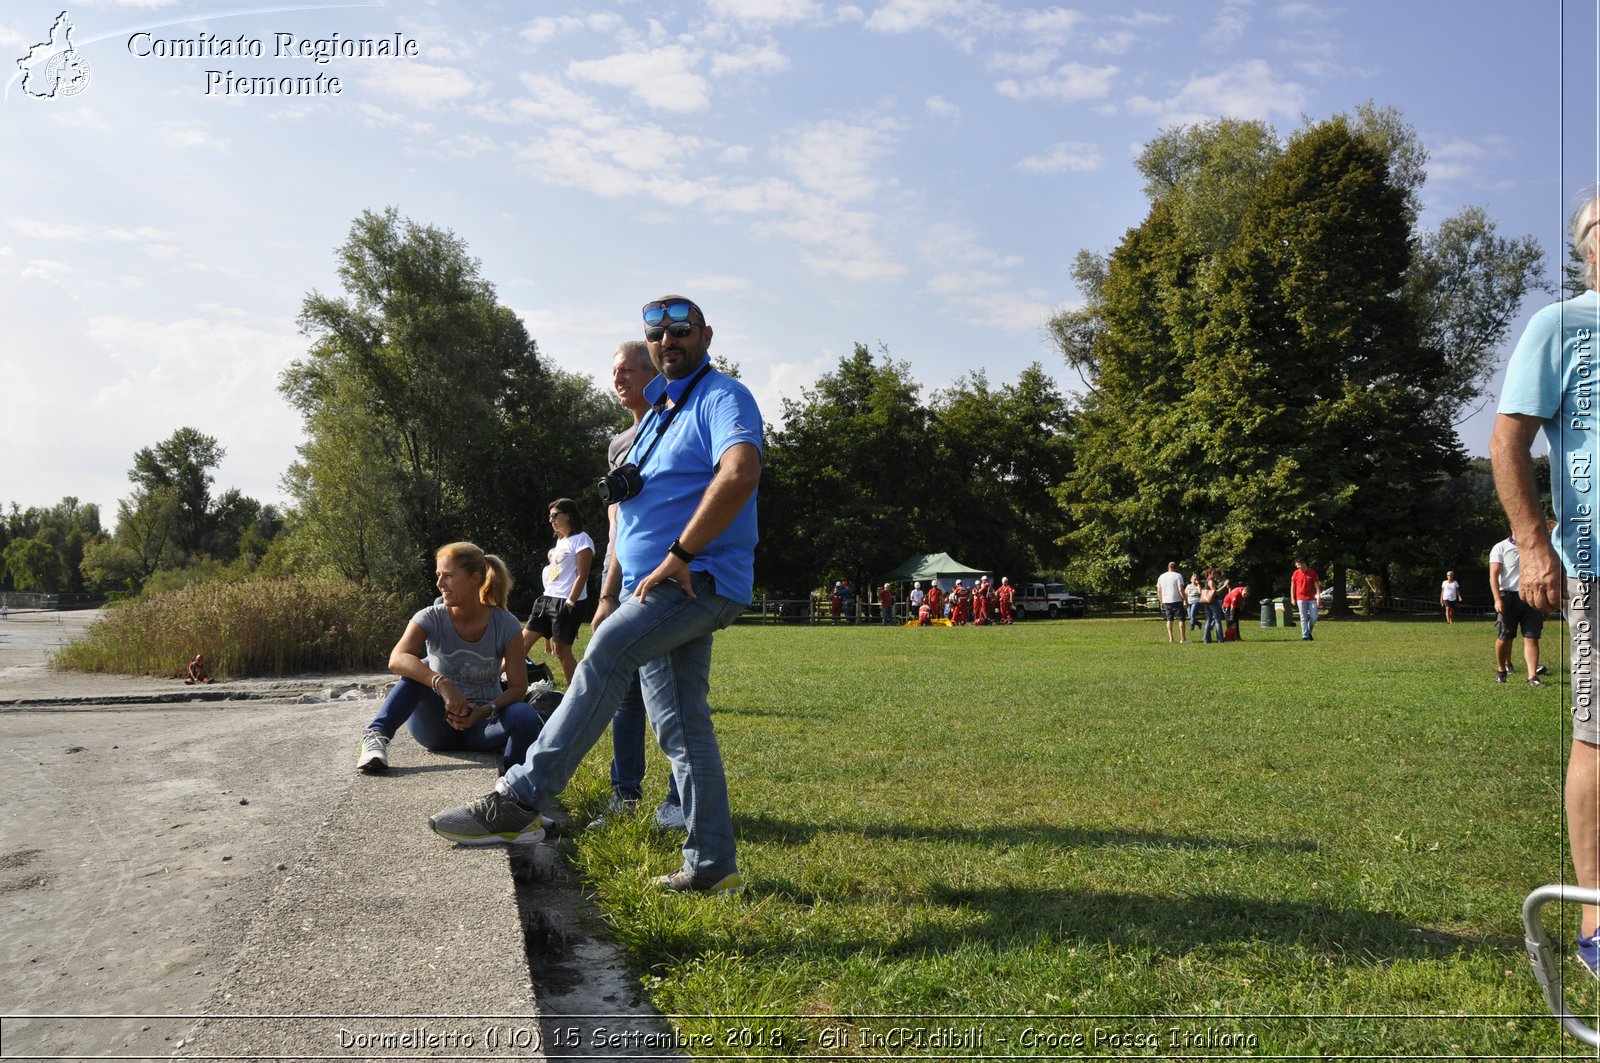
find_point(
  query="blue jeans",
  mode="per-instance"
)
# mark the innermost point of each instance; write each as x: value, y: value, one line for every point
x: 627, y: 749
x: 666, y: 642
x: 1213, y: 620
x: 508, y: 732
x: 1308, y: 616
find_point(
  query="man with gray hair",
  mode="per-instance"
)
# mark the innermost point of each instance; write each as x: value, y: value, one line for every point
x: 631, y: 370
x: 1550, y: 384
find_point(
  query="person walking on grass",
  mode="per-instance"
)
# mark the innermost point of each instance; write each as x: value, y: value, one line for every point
x: 1549, y: 384
x: 686, y: 540
x: 1449, y: 597
x: 449, y: 661
x: 1169, y: 591
x: 1512, y: 613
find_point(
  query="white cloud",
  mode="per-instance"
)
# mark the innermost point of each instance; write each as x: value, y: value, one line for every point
x: 1456, y: 159
x: 545, y: 29
x: 190, y: 135
x: 1302, y: 12
x: 1073, y: 81
x: 734, y: 155
x: 422, y: 84
x: 904, y: 16
x: 1229, y: 25
x: 766, y: 59
x: 1051, y: 24
x: 940, y: 107
x: 836, y: 157
x: 1116, y: 43
x: 1248, y: 90
x: 1024, y: 62
x: 663, y: 79
x: 947, y: 245
x: 765, y: 12
x: 49, y: 230
x: 1065, y: 157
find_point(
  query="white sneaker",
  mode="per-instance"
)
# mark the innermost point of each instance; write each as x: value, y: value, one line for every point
x: 373, y: 757
x: 670, y: 817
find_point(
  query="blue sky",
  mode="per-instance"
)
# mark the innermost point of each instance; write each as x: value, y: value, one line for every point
x: 912, y: 173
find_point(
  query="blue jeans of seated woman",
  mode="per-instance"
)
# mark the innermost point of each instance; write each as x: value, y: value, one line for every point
x: 508, y: 732
x: 1213, y: 620
x: 627, y: 749
x: 665, y: 641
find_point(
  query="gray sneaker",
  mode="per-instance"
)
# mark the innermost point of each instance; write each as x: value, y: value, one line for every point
x: 373, y: 755
x: 670, y: 817
x: 617, y: 806
x: 683, y: 881
x: 493, y: 819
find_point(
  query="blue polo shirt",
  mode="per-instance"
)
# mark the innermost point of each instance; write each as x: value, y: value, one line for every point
x: 1554, y: 374
x: 719, y: 413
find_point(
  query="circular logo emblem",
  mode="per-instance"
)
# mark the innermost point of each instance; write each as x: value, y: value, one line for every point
x: 67, y: 73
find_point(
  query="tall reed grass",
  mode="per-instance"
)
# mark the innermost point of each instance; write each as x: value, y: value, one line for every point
x: 253, y: 628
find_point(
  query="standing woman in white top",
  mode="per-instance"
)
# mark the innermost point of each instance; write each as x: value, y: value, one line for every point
x: 566, y: 583
x: 1449, y: 596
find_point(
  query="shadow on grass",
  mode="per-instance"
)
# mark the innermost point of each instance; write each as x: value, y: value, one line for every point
x: 773, y: 831
x: 1096, y: 919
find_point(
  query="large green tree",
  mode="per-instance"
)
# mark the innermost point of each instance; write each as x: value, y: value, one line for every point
x: 1009, y: 447
x: 182, y: 463
x: 1276, y: 357
x: 847, y: 483
x: 429, y: 415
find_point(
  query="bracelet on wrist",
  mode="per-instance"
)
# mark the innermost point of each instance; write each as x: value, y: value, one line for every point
x: 438, y: 678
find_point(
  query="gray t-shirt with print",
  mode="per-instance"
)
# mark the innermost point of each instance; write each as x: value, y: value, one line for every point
x: 474, y: 667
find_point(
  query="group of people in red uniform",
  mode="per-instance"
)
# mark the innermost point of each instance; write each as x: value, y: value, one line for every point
x: 981, y: 603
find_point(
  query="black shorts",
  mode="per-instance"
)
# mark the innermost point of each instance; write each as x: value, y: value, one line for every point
x: 1517, y: 613
x: 554, y: 619
x: 1172, y: 610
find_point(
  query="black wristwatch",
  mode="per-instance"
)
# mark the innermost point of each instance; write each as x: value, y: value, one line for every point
x: 677, y: 551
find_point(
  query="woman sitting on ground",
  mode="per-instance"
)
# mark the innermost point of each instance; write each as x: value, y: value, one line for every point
x: 449, y: 662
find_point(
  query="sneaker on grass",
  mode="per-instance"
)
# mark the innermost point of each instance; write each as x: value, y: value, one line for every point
x: 617, y: 806
x: 1535, y: 681
x: 1500, y: 674
x: 1589, y: 953
x: 1541, y: 670
x: 683, y: 881
x: 373, y: 755
x: 669, y: 816
x: 496, y: 818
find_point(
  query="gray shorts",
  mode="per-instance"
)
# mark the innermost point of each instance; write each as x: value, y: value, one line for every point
x: 1583, y: 616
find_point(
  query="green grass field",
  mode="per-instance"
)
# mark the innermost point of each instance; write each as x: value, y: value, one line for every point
x: 1115, y: 846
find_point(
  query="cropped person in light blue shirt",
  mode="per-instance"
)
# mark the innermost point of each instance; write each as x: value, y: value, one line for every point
x: 1551, y: 384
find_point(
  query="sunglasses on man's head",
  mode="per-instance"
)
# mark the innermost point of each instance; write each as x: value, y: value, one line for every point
x: 661, y: 318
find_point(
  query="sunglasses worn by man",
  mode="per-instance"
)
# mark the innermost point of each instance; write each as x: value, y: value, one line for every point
x: 672, y: 317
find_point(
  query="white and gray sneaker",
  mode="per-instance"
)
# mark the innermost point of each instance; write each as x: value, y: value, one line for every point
x: 496, y: 818
x: 669, y: 816
x: 372, y: 757
x: 617, y: 806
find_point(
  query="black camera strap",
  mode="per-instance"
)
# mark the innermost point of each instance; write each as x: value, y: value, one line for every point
x: 666, y: 421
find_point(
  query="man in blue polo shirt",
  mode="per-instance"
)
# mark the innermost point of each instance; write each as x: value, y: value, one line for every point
x: 686, y: 543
